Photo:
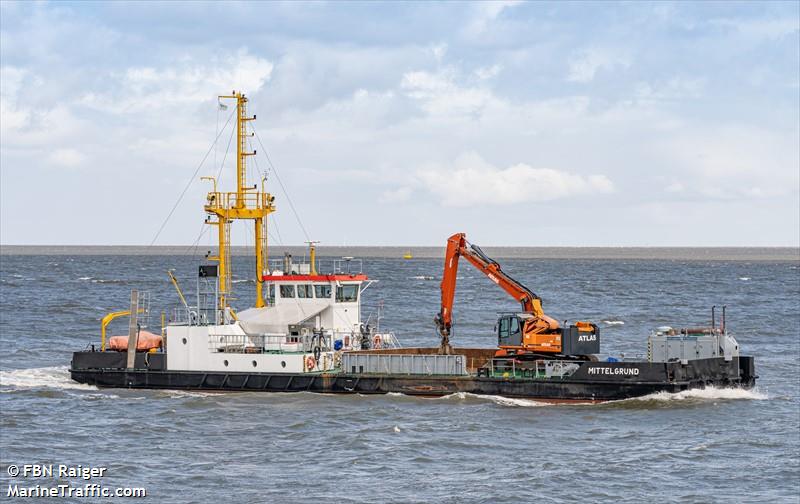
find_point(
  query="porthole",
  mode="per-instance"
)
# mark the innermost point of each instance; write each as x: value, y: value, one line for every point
x: 283, y: 363
x: 184, y: 341
x: 225, y: 362
x: 255, y: 363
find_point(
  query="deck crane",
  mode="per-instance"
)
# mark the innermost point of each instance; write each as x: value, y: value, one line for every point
x: 531, y: 332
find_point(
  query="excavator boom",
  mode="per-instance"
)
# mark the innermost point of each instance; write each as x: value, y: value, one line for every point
x: 457, y: 246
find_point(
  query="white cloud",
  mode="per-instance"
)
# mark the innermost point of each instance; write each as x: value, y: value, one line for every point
x: 142, y: 88
x: 735, y: 156
x: 69, y: 158
x: 585, y: 64
x: 439, y: 93
x: 439, y: 51
x: 398, y: 195
x: 484, y: 13
x: 13, y: 115
x: 675, y: 88
x: 485, y: 73
x: 675, y: 187
x: 473, y: 181
x: 760, y: 29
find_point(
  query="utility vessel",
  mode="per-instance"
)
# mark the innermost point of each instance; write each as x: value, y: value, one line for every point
x: 305, y: 332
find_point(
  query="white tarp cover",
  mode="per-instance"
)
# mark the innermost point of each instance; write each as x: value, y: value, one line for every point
x: 276, y: 319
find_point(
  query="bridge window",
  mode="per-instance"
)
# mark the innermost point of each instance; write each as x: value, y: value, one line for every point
x: 304, y: 291
x: 271, y: 294
x: 322, y: 291
x: 287, y: 291
x: 347, y: 293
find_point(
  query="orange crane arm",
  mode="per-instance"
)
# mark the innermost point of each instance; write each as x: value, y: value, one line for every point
x: 457, y: 246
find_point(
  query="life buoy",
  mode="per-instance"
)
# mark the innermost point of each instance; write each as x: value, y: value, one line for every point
x: 310, y: 363
x: 376, y: 341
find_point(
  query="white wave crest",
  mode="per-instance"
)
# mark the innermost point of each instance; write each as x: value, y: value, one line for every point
x: 707, y: 394
x: 422, y: 277
x: 499, y: 400
x: 744, y: 279
x: 519, y: 403
x: 56, y: 377
x: 182, y: 394
x: 614, y: 322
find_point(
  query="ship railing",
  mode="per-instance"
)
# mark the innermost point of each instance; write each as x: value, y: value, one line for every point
x: 544, y: 368
x: 384, y: 340
x: 268, y: 343
x: 192, y: 316
x: 233, y: 200
x: 180, y: 315
x: 638, y: 357
x: 348, y: 266
x: 322, y: 267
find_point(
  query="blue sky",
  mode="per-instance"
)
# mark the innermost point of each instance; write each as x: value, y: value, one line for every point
x: 585, y: 124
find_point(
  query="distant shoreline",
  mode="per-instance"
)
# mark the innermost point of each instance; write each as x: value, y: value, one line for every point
x: 609, y: 253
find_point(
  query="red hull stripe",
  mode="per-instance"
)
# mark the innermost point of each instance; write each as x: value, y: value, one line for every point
x: 314, y: 278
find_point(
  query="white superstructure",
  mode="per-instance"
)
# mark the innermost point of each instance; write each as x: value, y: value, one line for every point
x: 308, y: 320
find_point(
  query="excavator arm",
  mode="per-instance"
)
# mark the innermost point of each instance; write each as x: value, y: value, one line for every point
x: 457, y: 246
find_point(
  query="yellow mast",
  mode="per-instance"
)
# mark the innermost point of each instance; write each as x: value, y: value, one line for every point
x: 246, y: 203
x: 312, y: 253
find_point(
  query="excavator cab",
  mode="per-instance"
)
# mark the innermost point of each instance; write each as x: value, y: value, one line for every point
x: 509, y: 330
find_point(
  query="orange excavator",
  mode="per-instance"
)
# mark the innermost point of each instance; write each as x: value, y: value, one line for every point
x: 530, y: 333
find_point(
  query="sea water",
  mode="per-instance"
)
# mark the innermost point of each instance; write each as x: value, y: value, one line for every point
x: 713, y: 445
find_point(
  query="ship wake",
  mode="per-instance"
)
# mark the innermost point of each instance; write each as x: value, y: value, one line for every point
x: 54, y: 377
x: 496, y: 399
x: 706, y: 394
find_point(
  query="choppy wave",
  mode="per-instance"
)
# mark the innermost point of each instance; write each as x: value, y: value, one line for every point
x: 422, y: 277
x: 613, y: 322
x: 499, y: 400
x: 699, y: 395
x: 55, y: 377
x: 706, y: 394
x: 744, y: 279
x: 181, y: 394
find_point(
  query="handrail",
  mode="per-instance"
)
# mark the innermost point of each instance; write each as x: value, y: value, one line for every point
x: 562, y: 366
x: 229, y: 200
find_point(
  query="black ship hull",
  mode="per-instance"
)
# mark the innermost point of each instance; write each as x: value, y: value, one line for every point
x: 594, y: 382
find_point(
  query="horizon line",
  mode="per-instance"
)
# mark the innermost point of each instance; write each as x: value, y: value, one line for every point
x: 319, y: 246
